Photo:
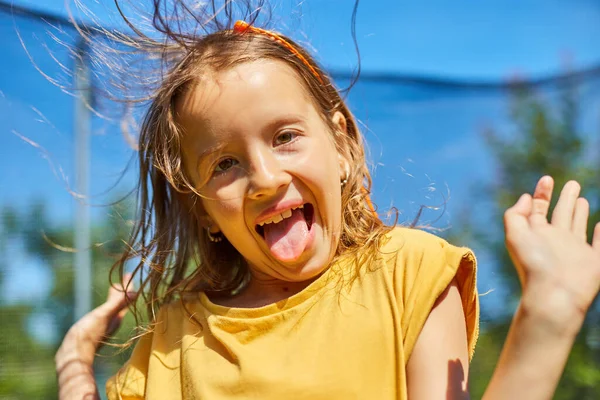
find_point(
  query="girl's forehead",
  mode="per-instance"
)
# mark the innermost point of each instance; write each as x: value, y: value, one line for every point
x: 248, y: 95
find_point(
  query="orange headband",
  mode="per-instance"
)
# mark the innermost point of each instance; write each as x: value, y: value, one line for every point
x: 242, y: 27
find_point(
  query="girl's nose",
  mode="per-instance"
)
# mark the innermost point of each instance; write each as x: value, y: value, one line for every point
x: 267, y: 175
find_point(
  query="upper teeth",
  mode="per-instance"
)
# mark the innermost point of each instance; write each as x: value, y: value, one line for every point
x: 280, y: 217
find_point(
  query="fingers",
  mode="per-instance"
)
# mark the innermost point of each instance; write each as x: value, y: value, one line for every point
x: 596, y: 238
x: 117, y: 299
x: 541, y: 201
x: 128, y: 282
x: 580, y: 218
x: 115, y: 323
x: 515, y: 218
x: 563, y: 215
x: 116, y: 306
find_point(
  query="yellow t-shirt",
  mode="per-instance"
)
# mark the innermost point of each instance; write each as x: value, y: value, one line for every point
x: 329, y: 341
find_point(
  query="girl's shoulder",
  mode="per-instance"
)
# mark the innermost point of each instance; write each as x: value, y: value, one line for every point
x: 421, y: 266
x: 406, y: 239
x: 414, y: 253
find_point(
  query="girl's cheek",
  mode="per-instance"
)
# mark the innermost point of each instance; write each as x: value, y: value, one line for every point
x: 230, y: 197
x: 222, y: 208
x: 302, y: 160
x: 230, y: 206
x: 229, y: 185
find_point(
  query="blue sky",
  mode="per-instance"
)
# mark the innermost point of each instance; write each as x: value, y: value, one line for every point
x: 421, y: 138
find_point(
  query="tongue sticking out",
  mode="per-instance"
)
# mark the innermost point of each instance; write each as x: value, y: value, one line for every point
x: 287, y: 239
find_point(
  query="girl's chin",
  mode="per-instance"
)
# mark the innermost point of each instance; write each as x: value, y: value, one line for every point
x: 309, y: 269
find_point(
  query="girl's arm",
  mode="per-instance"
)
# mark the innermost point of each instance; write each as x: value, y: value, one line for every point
x: 532, y: 359
x: 74, y: 369
x: 439, y: 364
x: 560, y: 276
x: 75, y: 357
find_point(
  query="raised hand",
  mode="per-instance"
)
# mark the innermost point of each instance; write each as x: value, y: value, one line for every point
x: 559, y: 270
x: 75, y: 357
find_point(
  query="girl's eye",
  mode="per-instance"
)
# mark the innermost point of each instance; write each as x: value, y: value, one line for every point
x: 225, y: 165
x: 285, y: 138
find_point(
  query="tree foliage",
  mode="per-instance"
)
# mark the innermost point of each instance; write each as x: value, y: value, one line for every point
x: 545, y: 138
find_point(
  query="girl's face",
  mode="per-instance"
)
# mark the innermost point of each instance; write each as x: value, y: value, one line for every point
x: 266, y: 166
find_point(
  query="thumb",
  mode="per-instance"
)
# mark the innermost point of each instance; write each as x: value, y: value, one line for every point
x: 516, y: 217
x: 117, y: 299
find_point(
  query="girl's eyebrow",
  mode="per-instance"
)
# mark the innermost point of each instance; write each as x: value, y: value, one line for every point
x: 284, y: 120
x: 212, y: 149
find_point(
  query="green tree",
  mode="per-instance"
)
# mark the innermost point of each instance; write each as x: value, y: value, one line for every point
x: 546, y: 139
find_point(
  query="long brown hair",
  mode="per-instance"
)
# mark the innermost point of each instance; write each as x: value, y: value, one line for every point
x: 173, y: 254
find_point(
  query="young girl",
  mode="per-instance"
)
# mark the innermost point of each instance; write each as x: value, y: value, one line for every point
x: 268, y: 274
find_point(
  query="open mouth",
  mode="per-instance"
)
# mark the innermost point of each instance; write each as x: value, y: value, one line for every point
x: 307, y: 211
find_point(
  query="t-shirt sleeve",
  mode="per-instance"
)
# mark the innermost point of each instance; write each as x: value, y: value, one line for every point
x: 129, y: 383
x: 423, y: 266
x: 155, y: 360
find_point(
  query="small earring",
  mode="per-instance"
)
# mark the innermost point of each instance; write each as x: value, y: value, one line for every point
x: 214, y: 237
x: 343, y: 183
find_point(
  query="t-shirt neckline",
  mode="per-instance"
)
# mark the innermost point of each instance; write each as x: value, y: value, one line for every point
x: 305, y: 294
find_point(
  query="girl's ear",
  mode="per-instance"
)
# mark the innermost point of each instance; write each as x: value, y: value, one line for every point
x: 339, y: 121
x: 344, y: 168
x: 340, y: 125
x: 206, y: 222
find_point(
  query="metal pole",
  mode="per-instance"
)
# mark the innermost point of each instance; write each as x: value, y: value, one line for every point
x: 82, y: 131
